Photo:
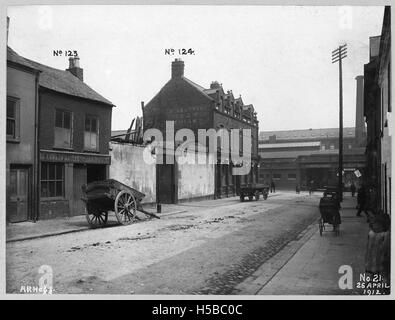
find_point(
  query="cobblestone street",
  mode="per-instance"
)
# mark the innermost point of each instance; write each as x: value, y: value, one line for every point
x: 208, y: 247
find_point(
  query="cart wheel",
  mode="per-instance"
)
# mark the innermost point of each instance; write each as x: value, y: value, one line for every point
x: 321, y: 227
x: 125, y: 207
x: 95, y: 217
x: 257, y: 195
x: 242, y: 197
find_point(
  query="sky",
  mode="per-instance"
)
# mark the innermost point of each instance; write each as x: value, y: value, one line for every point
x: 276, y: 58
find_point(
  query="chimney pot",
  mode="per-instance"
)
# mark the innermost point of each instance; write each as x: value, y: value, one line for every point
x: 74, y: 68
x: 177, y: 69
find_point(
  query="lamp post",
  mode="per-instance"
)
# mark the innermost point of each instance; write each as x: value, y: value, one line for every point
x: 337, y: 56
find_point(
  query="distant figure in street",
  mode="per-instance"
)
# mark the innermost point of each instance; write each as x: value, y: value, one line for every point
x: 272, y: 187
x: 311, y: 187
x: 362, y: 201
x: 353, y: 189
x: 297, y: 189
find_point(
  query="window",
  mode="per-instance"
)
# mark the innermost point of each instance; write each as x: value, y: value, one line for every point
x: 52, y: 180
x: 323, y: 147
x: 12, y: 118
x: 332, y: 146
x: 63, y: 127
x: 276, y: 176
x: 349, y: 146
x: 91, y: 134
x: 291, y: 176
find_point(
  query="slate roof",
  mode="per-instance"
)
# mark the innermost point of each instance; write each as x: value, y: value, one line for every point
x: 348, y: 132
x: 58, y: 80
x: 199, y: 87
x: 14, y: 57
x: 211, y: 91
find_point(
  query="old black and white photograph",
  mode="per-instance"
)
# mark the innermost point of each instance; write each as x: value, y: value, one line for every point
x: 197, y: 150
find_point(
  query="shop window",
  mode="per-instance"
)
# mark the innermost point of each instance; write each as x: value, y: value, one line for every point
x: 323, y: 147
x: 332, y: 146
x: 63, y: 128
x: 91, y: 134
x: 12, y: 118
x: 52, y: 180
x: 291, y: 176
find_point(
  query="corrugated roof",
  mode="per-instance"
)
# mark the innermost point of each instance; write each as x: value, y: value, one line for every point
x: 58, y: 80
x: 118, y: 132
x: 307, y: 134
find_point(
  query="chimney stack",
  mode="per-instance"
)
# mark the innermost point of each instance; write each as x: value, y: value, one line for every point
x: 177, y: 69
x: 74, y: 68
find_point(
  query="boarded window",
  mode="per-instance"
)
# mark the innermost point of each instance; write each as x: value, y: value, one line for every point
x: 91, y: 134
x: 63, y: 127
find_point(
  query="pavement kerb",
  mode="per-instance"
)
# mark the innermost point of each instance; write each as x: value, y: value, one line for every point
x: 254, y: 283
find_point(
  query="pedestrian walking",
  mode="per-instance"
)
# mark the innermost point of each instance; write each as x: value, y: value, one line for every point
x: 297, y: 189
x: 272, y: 187
x: 353, y: 189
x: 311, y: 187
x: 362, y: 201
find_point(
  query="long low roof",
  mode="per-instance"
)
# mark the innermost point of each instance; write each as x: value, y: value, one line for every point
x: 348, y: 132
x: 297, y: 153
x: 289, y: 145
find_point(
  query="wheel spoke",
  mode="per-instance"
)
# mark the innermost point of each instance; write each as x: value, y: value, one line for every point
x: 101, y: 220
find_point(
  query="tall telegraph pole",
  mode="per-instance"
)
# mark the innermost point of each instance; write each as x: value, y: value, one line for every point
x: 337, y: 56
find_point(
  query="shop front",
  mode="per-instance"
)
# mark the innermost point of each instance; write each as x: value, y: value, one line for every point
x: 62, y: 175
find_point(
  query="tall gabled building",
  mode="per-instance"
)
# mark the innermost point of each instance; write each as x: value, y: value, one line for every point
x: 194, y: 107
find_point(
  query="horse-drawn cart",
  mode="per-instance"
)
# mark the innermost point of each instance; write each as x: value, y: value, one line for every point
x: 100, y: 197
x: 253, y: 190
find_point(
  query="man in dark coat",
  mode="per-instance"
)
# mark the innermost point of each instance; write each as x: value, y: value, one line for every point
x: 352, y: 188
x: 272, y: 187
x: 362, y: 201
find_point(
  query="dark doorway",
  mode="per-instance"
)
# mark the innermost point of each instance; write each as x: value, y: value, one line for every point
x: 165, y: 189
x: 95, y: 172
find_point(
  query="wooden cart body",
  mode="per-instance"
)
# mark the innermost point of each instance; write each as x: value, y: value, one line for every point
x: 253, y: 190
x: 103, y: 196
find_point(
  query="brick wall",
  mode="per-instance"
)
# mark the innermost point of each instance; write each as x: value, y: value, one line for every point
x: 50, y: 100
